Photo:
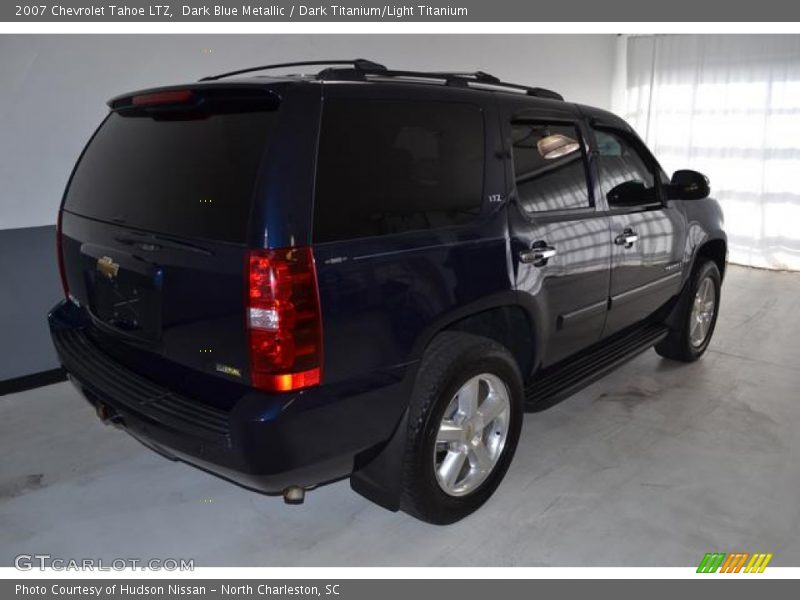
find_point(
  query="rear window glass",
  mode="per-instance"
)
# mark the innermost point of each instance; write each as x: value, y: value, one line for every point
x: 393, y: 166
x: 188, y: 174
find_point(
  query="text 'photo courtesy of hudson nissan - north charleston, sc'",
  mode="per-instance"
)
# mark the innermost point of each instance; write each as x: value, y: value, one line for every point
x: 369, y: 273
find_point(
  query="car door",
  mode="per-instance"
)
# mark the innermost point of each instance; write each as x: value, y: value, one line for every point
x: 646, y: 233
x: 559, y: 242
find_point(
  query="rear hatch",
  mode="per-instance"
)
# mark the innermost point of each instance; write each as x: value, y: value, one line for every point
x: 155, y: 229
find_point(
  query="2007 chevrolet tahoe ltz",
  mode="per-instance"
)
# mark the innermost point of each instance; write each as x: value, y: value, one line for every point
x: 369, y: 273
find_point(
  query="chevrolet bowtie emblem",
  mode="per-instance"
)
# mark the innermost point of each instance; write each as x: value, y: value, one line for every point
x: 107, y: 267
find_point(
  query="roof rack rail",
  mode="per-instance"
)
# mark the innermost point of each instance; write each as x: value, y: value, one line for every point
x: 359, y: 69
x: 458, y: 79
x: 481, y: 77
x: 358, y: 64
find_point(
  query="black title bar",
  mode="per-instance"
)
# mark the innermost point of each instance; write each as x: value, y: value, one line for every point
x: 374, y: 11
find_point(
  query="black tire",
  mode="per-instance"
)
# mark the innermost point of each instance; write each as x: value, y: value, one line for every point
x: 678, y: 344
x: 450, y: 361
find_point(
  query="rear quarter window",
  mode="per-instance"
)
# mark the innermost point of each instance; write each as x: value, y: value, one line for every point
x: 387, y: 166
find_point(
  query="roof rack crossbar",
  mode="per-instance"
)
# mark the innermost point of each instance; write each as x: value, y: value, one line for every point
x: 359, y: 64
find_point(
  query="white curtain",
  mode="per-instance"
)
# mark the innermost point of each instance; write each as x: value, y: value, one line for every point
x: 728, y: 106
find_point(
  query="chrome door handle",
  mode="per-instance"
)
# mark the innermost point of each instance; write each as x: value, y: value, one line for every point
x: 626, y: 238
x: 537, y: 255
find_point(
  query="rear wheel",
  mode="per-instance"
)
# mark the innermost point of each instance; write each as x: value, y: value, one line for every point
x: 700, y: 308
x: 464, y: 423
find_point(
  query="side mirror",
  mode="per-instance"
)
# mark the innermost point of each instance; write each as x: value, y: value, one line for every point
x: 629, y: 193
x: 688, y: 185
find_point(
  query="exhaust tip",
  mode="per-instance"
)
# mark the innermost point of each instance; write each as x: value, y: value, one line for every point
x: 294, y: 494
x: 104, y: 413
x: 108, y: 415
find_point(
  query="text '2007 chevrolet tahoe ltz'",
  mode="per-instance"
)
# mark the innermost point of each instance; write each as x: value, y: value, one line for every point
x: 369, y: 273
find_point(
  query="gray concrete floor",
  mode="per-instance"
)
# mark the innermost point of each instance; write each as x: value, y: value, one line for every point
x: 654, y: 465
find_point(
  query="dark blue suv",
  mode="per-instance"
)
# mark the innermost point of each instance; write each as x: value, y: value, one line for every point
x: 369, y: 273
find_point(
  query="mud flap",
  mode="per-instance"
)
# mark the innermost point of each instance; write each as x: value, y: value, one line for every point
x: 675, y: 315
x: 377, y: 474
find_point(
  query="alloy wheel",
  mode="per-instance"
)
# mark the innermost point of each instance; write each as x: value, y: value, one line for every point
x: 472, y: 434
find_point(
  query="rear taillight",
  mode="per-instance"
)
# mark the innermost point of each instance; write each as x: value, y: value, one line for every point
x: 60, y: 253
x: 283, y: 319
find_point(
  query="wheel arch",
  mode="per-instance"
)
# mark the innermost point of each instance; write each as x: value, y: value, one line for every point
x: 715, y: 249
x: 510, y: 326
x: 503, y: 318
x: 712, y: 248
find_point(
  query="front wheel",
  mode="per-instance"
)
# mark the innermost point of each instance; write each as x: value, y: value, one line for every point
x: 464, y: 423
x: 699, y: 315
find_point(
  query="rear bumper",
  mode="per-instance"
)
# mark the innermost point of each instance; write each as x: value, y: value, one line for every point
x: 266, y: 442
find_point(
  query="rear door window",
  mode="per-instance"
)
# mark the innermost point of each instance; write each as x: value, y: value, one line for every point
x: 189, y: 173
x: 549, y: 167
x: 389, y: 166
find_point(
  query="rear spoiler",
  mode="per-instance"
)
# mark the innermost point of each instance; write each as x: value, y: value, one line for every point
x: 194, y: 95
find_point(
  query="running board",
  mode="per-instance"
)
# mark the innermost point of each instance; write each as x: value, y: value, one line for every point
x: 555, y: 383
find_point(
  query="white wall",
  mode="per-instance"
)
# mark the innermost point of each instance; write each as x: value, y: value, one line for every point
x: 53, y: 88
x: 728, y: 106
